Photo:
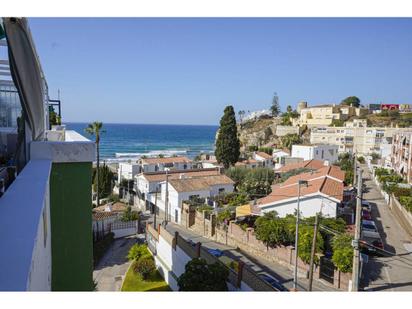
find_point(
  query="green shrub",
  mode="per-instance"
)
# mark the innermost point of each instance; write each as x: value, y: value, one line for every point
x: 400, y: 191
x: 252, y: 148
x: 361, y: 160
x: 343, y: 252
x: 268, y: 150
x: 258, y: 182
x: 406, y: 201
x: 137, y: 251
x: 305, y: 243
x: 208, y: 209
x: 129, y: 215
x: 144, y: 266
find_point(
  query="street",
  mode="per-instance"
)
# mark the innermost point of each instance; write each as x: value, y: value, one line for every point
x: 387, y: 273
x: 113, y: 266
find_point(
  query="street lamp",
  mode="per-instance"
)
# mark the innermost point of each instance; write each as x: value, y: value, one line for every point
x: 295, y: 274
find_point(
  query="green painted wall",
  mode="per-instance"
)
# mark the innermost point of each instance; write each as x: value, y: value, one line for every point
x: 71, y: 227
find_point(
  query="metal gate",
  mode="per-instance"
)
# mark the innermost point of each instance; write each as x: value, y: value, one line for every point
x: 326, y: 269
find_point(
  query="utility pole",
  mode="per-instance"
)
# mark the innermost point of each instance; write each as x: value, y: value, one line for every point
x: 356, y: 252
x: 313, y: 252
x: 354, y: 169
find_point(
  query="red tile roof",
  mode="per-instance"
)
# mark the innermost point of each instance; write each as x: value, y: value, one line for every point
x: 329, y: 171
x: 263, y: 155
x: 313, y: 164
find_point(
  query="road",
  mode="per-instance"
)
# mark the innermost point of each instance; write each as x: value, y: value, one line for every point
x: 112, y: 268
x: 387, y: 273
x: 283, y: 274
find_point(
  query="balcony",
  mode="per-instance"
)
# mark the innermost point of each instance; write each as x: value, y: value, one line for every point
x: 52, y: 194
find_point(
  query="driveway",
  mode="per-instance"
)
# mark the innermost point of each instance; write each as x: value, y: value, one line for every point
x: 283, y: 274
x: 112, y: 268
x: 392, y: 273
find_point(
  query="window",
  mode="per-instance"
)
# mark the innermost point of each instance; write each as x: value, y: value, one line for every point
x: 176, y: 216
x: 221, y: 190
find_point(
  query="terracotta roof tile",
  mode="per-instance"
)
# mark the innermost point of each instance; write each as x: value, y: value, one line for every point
x: 176, y: 174
x: 263, y: 155
x: 313, y: 164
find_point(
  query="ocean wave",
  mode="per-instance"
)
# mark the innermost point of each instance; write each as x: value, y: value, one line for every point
x: 152, y: 153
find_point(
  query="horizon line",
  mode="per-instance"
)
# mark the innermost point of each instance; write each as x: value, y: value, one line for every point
x: 153, y: 124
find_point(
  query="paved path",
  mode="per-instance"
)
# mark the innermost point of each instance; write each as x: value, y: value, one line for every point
x: 280, y: 272
x: 387, y: 273
x: 113, y: 266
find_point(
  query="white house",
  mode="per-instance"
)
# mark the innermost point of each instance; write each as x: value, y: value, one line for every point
x: 127, y: 171
x: 324, y: 193
x: 318, y: 152
x: 278, y: 156
x: 146, y: 184
x: 265, y: 159
x: 184, y: 189
x: 159, y: 164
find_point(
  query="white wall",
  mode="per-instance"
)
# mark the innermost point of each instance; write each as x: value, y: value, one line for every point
x: 317, y: 152
x: 147, y: 168
x: 127, y: 171
x: 309, y: 206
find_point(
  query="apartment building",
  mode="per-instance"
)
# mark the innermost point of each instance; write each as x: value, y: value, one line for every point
x: 355, y: 136
x: 51, y: 194
x: 401, y: 154
x: 323, y: 115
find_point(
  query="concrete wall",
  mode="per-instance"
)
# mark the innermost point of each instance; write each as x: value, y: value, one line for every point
x: 308, y: 206
x: 284, y: 130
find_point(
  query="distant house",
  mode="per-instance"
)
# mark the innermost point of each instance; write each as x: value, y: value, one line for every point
x: 147, y: 184
x: 324, y: 194
x: 318, y: 152
x: 208, y: 161
x: 263, y: 158
x: 127, y: 171
x: 250, y: 163
x: 279, y: 157
x: 184, y: 189
x: 160, y: 164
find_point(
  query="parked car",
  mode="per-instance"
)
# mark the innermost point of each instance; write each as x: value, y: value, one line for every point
x: 366, y: 215
x: 215, y: 252
x: 273, y: 282
x: 366, y: 205
x: 373, y: 239
x: 368, y: 225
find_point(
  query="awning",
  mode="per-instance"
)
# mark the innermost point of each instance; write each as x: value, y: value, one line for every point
x: 26, y: 73
x: 243, y: 211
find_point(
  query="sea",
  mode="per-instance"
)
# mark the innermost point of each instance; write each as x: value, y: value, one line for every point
x: 128, y: 142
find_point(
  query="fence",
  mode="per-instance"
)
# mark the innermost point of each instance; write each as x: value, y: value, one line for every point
x: 172, y: 252
x: 119, y: 228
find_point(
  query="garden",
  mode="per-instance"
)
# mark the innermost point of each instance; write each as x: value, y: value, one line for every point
x: 142, y: 274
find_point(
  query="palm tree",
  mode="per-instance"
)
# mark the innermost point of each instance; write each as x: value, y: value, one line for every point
x: 95, y: 129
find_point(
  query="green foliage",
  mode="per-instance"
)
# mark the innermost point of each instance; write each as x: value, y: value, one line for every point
x: 257, y: 182
x: 290, y: 113
x: 224, y: 215
x: 290, y: 139
x: 113, y: 198
x: 305, y: 243
x: 406, y: 201
x: 206, y: 208
x: 231, y: 199
x: 275, y: 107
x: 375, y: 157
x: 252, y: 148
x: 268, y: 150
x: 129, y: 215
x: 351, y: 101
x: 144, y: 266
x: 343, y: 252
x: 105, y: 181
x: 237, y: 174
x: 227, y: 142
x: 137, y: 251
x: 345, y: 162
x: 100, y: 247
x: 337, y: 123
x: 273, y: 231
x: 54, y: 119
x: 199, y: 276
x: 361, y: 160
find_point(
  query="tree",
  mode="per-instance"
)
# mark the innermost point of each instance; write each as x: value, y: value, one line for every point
x: 272, y: 230
x: 258, y: 182
x: 241, y: 115
x: 275, y: 108
x: 342, y: 252
x: 95, y: 129
x: 290, y: 139
x: 227, y: 143
x: 289, y: 109
x: 54, y: 119
x: 199, y: 276
x: 351, y: 101
x: 102, y: 181
x: 237, y: 174
x: 129, y: 215
x: 305, y: 243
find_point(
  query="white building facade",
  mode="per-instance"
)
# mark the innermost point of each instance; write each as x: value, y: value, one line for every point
x: 318, y: 152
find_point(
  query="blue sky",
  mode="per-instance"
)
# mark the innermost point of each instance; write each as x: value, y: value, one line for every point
x: 185, y: 71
